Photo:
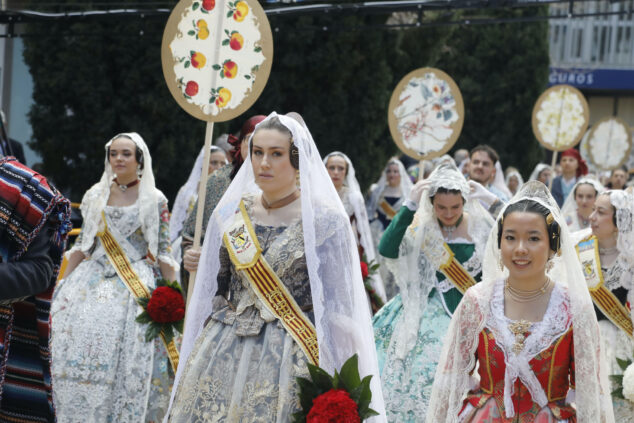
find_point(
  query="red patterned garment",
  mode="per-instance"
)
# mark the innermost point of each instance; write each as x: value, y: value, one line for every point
x: 553, y: 367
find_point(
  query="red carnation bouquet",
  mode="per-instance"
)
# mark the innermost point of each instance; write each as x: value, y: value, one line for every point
x: 367, y: 270
x: 342, y: 398
x: 163, y: 311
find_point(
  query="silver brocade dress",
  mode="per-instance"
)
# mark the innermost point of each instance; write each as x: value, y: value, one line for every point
x: 102, y: 368
x: 244, y: 364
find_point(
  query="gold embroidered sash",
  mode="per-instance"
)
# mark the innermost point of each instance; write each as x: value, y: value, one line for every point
x: 246, y: 255
x: 131, y: 280
x: 387, y: 209
x: 454, y: 272
x: 604, y: 299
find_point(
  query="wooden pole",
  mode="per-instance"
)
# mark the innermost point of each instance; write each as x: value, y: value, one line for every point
x: 202, y: 191
x: 421, y: 170
x: 552, y: 167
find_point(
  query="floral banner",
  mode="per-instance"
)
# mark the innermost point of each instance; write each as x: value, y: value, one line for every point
x: 217, y: 56
x: 426, y: 113
x: 609, y: 143
x: 560, y: 117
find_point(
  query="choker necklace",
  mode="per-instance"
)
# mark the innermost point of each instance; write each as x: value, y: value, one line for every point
x: 521, y: 296
x: 450, y: 229
x: 608, y: 251
x: 124, y: 187
x: 281, y: 202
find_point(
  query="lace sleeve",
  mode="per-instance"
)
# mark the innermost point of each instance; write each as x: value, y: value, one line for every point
x: 164, y: 247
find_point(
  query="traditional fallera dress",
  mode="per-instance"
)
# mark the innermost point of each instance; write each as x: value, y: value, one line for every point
x: 408, y: 369
x: 548, y: 349
x: 381, y: 210
x: 497, y: 370
x: 244, y: 364
x: 103, y: 369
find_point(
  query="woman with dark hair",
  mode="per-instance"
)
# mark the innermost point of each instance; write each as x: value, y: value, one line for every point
x: 606, y: 251
x: 434, y: 260
x: 580, y: 203
x: 279, y: 285
x: 529, y: 326
x: 102, y: 367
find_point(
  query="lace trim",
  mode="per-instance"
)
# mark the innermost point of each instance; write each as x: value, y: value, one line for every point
x: 619, y: 275
x: 555, y: 323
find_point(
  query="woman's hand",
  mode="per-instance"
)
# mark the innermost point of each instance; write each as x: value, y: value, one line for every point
x: 478, y: 192
x: 191, y: 259
x: 417, y: 190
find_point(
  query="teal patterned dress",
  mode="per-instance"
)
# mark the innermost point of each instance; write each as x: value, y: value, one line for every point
x: 407, y: 384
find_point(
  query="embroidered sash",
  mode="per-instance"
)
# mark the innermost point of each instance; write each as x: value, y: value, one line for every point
x: 454, y: 272
x: 246, y: 255
x: 131, y: 280
x: 387, y: 209
x: 604, y: 299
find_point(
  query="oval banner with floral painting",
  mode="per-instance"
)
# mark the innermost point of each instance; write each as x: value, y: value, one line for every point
x: 426, y: 113
x: 609, y: 143
x: 560, y: 117
x: 217, y: 56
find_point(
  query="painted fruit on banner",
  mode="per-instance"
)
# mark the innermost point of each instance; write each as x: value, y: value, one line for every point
x: 560, y: 117
x: 609, y: 143
x: 217, y: 56
x: 426, y: 113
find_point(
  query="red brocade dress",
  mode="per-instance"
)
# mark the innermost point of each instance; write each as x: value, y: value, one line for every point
x: 548, y: 350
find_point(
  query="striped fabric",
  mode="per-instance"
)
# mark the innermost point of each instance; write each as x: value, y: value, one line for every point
x: 27, y: 202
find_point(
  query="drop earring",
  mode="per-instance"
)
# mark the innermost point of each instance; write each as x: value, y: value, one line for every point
x: 501, y: 263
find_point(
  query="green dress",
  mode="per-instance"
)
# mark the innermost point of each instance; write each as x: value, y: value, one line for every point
x: 407, y: 383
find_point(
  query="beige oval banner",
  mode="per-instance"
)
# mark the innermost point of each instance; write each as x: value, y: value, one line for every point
x: 560, y: 117
x: 609, y: 143
x: 426, y: 113
x: 217, y: 56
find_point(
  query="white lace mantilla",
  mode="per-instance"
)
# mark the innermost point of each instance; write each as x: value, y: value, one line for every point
x: 555, y: 323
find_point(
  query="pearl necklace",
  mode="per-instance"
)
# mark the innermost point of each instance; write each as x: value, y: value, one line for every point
x: 526, y: 296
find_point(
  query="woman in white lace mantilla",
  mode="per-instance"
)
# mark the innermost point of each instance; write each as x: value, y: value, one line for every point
x: 386, y: 198
x: 523, y: 345
x: 580, y: 203
x: 409, y: 329
x: 342, y: 174
x: 239, y: 359
x: 611, y: 227
x: 103, y: 369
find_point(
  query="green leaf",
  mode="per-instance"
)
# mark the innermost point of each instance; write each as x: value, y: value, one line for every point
x: 192, y: 52
x: 179, y: 326
x: 229, y: 13
x: 225, y: 42
x: 247, y: 76
x: 168, y: 332
x: 227, y: 32
x: 195, y: 6
x: 257, y: 49
x: 192, y: 32
x: 187, y: 64
x: 143, y: 318
x: 365, y: 396
x: 623, y: 364
x: 617, y: 378
x: 143, y: 301
x: 350, y: 373
x: 618, y: 393
x: 216, y: 67
x: 153, y: 330
x: 336, y: 380
x: 320, y: 378
x: 307, y: 392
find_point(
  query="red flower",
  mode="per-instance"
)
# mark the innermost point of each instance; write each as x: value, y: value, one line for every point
x: 364, y: 270
x: 166, y: 305
x: 334, y: 406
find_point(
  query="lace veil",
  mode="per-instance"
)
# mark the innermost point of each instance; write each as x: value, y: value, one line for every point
x: 377, y: 191
x: 415, y: 268
x: 516, y: 174
x: 498, y: 180
x: 623, y: 202
x: 363, y: 225
x: 187, y: 191
x: 96, y: 198
x: 458, y: 359
x: 569, y: 209
x: 537, y: 170
x: 342, y: 316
